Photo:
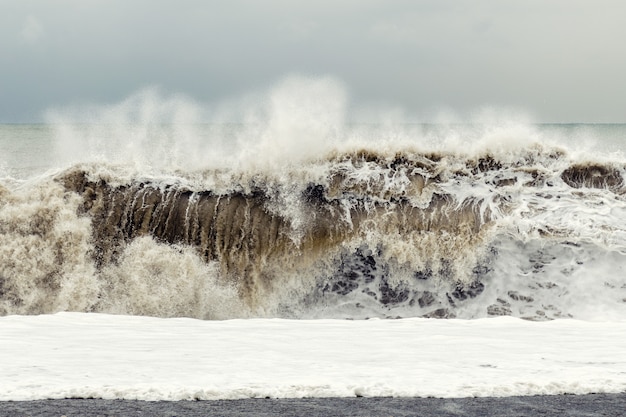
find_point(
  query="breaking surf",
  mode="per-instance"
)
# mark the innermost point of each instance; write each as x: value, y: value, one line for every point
x: 358, y: 233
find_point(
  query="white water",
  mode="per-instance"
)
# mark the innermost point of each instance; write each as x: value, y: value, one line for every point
x: 94, y: 355
x: 103, y: 356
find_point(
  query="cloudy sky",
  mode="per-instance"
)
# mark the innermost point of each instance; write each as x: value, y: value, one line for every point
x: 559, y: 60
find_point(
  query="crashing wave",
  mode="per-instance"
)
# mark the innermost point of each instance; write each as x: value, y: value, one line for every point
x: 357, y: 234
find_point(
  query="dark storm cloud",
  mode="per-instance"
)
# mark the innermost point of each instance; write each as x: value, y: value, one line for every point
x: 561, y: 60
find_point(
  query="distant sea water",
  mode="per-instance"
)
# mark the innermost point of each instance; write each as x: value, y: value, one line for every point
x: 249, y: 221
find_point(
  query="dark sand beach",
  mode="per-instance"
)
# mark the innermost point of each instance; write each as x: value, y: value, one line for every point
x: 553, y: 405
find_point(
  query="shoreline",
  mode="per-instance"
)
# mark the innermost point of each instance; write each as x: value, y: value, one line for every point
x: 572, y: 405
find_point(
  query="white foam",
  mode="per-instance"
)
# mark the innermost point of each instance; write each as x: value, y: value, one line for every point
x: 102, y: 356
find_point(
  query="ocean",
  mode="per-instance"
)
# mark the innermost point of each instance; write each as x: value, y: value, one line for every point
x: 289, y: 259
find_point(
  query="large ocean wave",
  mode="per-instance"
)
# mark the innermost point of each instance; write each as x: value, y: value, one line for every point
x: 345, y: 221
x: 356, y: 234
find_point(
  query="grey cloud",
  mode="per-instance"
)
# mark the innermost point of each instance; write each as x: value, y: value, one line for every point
x: 32, y: 31
x: 561, y: 59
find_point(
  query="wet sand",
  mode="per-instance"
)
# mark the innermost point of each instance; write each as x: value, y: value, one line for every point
x: 553, y: 405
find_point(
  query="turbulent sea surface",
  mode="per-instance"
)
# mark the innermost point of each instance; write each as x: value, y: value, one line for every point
x: 297, y: 219
x: 458, y: 221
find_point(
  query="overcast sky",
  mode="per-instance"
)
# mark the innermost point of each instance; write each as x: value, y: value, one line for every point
x: 560, y: 60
